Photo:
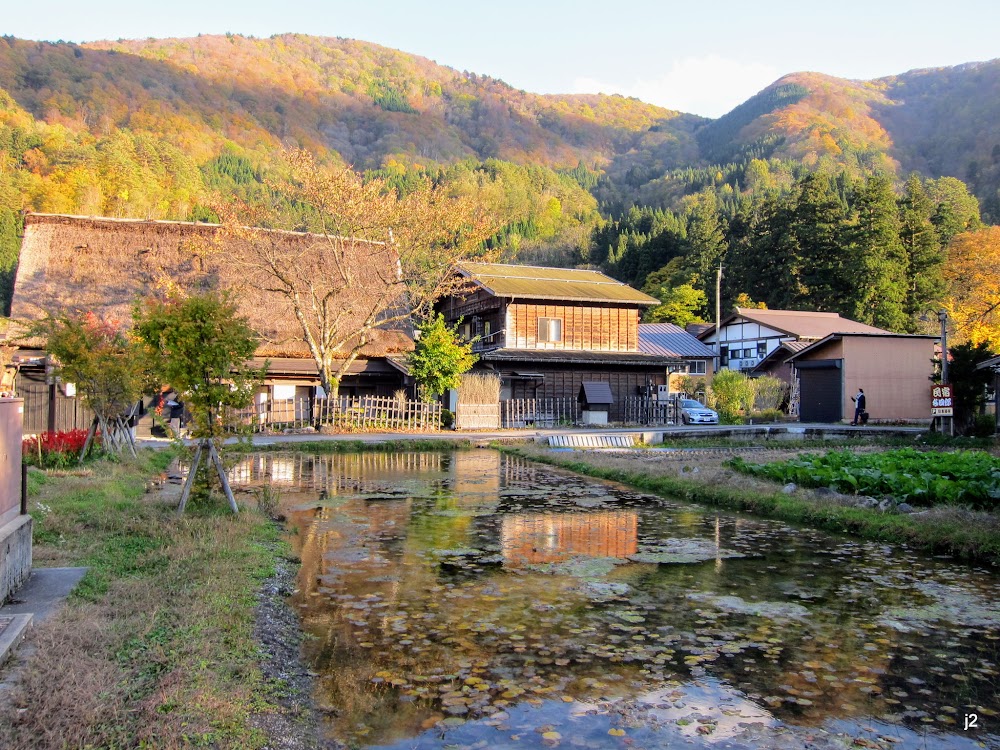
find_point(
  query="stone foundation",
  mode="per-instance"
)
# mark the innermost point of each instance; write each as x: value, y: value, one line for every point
x: 15, y: 555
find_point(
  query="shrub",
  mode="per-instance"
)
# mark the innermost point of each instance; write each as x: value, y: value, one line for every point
x: 731, y: 394
x: 984, y: 425
x: 769, y: 393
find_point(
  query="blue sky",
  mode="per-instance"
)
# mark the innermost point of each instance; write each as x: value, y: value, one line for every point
x: 700, y: 56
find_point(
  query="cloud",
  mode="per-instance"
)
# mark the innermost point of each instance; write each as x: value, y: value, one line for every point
x: 708, y: 86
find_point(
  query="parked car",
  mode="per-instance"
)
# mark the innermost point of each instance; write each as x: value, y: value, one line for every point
x: 694, y: 412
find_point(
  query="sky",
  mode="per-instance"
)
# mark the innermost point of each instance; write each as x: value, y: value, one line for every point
x: 698, y: 56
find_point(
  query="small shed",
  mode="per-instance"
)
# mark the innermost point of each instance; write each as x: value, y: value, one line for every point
x: 595, y: 399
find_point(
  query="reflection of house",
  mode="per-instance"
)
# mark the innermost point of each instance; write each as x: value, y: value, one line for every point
x: 547, y: 330
x: 101, y: 265
x: 553, y: 537
x: 894, y: 369
x: 749, y: 335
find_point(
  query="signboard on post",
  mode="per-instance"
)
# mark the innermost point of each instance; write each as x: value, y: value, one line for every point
x: 941, y: 401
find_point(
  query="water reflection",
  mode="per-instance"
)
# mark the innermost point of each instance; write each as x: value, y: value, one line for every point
x: 473, y: 599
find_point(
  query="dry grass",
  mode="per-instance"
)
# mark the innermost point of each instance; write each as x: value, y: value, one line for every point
x: 479, y: 388
x: 155, y: 649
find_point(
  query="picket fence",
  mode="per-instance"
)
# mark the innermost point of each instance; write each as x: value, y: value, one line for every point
x: 539, y: 412
x: 347, y: 414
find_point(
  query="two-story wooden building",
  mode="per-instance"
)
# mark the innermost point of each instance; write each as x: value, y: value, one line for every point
x: 545, y: 331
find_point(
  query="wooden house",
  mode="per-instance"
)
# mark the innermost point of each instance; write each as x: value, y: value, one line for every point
x: 102, y: 265
x: 546, y: 331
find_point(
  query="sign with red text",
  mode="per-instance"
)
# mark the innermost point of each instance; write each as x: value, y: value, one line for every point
x: 941, y: 402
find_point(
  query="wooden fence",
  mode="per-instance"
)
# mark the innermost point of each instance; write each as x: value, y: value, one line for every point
x: 348, y: 414
x: 539, y: 412
x: 649, y: 411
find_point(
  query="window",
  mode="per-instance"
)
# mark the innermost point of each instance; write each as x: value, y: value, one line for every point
x: 761, y: 350
x: 723, y: 356
x: 696, y: 366
x: 486, y: 329
x: 549, y: 329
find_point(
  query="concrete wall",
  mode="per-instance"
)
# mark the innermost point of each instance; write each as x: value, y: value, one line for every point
x: 15, y: 529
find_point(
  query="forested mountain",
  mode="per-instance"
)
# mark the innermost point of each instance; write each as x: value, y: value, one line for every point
x: 153, y: 128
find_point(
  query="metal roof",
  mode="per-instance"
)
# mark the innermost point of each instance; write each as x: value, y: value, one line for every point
x: 595, y: 392
x: 802, y: 324
x: 669, y: 340
x: 537, y: 282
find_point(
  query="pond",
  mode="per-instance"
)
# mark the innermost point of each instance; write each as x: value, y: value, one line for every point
x: 474, y: 600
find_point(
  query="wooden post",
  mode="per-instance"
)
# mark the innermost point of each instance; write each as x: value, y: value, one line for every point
x: 186, y: 492
x: 89, y: 441
x: 214, y: 455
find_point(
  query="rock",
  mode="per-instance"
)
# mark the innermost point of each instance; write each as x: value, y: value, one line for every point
x: 867, y: 502
x: 905, y: 508
x: 884, y: 504
x: 826, y: 492
x: 789, y: 488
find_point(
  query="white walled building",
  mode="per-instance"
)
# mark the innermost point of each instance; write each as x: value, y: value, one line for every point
x: 748, y: 335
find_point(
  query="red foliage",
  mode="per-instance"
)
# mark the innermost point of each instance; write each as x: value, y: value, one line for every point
x: 67, y: 441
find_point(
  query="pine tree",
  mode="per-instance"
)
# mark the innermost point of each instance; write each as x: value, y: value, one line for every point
x: 817, y: 222
x: 925, y: 254
x: 879, y: 264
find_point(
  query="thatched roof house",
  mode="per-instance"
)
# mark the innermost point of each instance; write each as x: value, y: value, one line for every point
x: 102, y: 265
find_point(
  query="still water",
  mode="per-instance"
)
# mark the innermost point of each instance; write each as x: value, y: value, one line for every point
x: 475, y: 600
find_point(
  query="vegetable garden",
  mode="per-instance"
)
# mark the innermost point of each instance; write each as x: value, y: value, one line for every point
x: 918, y: 477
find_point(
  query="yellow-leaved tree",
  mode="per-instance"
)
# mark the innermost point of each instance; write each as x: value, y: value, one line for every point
x: 972, y: 274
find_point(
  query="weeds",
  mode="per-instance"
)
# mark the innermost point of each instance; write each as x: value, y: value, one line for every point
x: 155, y: 648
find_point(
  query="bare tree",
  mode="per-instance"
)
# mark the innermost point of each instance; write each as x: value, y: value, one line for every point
x: 374, y: 258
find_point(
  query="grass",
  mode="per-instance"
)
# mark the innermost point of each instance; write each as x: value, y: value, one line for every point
x: 155, y: 648
x: 969, y: 535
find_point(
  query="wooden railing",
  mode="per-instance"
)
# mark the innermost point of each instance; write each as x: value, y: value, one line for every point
x: 649, y: 411
x: 347, y: 414
x: 539, y: 412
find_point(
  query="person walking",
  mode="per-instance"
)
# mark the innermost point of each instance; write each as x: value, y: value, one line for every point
x: 859, y: 406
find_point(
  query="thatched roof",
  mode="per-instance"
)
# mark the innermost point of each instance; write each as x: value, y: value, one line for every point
x: 102, y: 265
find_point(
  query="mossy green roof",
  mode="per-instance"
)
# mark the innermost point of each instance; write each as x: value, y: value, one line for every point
x: 537, y: 282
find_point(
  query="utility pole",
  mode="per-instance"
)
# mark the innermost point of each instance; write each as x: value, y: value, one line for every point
x: 943, y: 319
x: 718, y: 313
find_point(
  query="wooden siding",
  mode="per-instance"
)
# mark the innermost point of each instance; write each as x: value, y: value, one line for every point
x: 584, y: 327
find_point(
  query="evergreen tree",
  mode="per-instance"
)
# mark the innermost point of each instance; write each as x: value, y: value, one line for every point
x: 878, y: 261
x: 818, y: 218
x: 925, y: 254
x: 10, y: 245
x: 705, y: 247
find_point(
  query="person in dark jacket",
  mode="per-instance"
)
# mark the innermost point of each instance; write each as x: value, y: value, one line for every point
x: 859, y: 406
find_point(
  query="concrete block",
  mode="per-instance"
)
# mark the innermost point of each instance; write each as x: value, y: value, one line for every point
x: 15, y: 555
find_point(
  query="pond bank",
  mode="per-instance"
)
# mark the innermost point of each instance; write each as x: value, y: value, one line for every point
x: 968, y: 535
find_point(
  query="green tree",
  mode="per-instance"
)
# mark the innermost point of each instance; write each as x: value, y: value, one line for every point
x: 103, y: 362
x: 439, y: 357
x: 817, y: 221
x: 680, y: 306
x: 10, y: 245
x: 925, y: 285
x: 201, y: 347
x: 705, y: 247
x: 968, y: 384
x: 878, y: 262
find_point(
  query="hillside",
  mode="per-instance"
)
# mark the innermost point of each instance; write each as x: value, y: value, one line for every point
x: 149, y: 128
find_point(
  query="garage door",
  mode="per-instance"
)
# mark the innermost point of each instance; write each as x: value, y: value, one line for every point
x: 822, y: 393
